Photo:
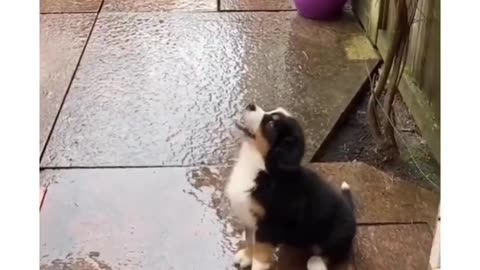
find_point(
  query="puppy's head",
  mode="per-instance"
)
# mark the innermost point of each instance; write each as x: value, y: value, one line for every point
x: 277, y: 136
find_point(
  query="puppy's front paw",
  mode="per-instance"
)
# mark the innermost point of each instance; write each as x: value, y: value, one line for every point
x: 257, y: 265
x: 242, y: 258
x: 316, y: 263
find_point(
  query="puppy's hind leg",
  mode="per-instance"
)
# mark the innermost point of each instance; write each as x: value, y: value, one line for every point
x: 316, y: 263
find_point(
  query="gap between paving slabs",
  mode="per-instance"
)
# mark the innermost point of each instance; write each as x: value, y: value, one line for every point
x: 63, y: 38
x: 60, y: 9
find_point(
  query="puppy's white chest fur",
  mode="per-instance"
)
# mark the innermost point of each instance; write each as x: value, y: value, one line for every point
x: 242, y: 181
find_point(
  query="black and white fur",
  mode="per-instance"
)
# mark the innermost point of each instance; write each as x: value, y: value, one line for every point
x: 298, y: 208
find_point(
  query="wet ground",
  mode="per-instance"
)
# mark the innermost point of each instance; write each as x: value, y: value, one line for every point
x: 138, y: 101
x: 165, y: 88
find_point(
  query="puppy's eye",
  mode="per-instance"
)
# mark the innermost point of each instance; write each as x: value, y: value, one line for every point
x: 275, y: 117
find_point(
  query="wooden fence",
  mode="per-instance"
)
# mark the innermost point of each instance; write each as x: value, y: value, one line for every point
x: 420, y: 85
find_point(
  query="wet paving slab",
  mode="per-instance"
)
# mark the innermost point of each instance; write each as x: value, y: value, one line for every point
x: 62, y: 39
x: 382, y: 198
x: 376, y: 247
x: 405, y: 247
x: 159, y: 5
x: 69, y: 6
x: 177, y: 218
x: 165, y: 89
x: 257, y: 5
x: 170, y: 218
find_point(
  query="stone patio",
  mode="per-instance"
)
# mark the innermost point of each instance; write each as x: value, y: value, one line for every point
x: 144, y: 94
x: 138, y: 101
x: 152, y: 218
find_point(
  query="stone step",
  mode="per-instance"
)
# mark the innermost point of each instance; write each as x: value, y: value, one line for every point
x: 382, y: 198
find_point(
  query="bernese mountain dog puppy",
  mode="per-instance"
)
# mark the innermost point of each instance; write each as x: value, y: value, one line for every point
x: 279, y: 201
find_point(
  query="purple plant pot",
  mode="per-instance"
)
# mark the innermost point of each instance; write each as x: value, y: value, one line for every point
x: 320, y: 9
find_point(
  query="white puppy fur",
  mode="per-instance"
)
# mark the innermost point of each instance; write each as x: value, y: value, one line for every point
x: 316, y: 263
x: 254, y: 118
x: 257, y: 265
x: 242, y: 259
x: 242, y: 179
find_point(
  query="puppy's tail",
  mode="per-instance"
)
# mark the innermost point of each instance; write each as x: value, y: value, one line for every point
x: 348, y: 194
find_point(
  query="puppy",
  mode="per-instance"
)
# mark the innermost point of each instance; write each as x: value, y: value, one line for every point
x: 279, y: 201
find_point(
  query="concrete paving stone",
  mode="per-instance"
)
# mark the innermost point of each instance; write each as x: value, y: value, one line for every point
x: 264, y: 5
x: 165, y: 89
x: 159, y: 5
x: 168, y: 218
x: 69, y: 6
x: 376, y: 248
x: 402, y: 247
x: 62, y: 38
x: 257, y: 5
x: 379, y: 197
x: 158, y: 218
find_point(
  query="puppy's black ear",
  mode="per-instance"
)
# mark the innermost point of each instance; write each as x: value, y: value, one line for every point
x: 285, y: 155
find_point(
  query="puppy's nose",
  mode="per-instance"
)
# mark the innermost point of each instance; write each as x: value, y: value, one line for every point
x: 251, y: 107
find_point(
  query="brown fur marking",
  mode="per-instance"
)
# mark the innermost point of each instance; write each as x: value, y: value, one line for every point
x: 263, y: 252
x: 256, y: 209
x: 261, y: 143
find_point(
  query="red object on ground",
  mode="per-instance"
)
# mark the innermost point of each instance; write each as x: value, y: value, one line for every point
x: 43, y: 192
